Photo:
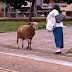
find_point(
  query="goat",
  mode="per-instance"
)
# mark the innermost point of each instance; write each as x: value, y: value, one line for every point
x: 27, y: 32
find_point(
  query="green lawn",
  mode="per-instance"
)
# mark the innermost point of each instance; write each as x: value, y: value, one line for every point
x: 10, y: 26
x: 68, y: 23
x: 70, y: 50
x: 6, y: 26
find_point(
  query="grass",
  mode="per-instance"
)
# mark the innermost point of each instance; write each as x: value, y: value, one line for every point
x: 10, y: 26
x: 6, y: 26
x: 70, y: 50
x: 68, y: 23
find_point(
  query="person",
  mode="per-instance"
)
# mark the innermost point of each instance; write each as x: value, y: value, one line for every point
x: 58, y: 29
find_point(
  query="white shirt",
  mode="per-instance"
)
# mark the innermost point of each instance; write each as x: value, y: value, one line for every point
x: 54, y: 13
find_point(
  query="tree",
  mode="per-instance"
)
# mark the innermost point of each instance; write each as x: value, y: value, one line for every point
x: 31, y: 10
x: 16, y: 3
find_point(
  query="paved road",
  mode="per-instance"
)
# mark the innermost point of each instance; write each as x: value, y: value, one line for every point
x: 43, y: 41
x: 28, y: 65
x: 42, y: 45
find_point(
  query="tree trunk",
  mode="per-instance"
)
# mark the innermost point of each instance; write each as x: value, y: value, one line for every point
x: 31, y: 9
x: 35, y: 10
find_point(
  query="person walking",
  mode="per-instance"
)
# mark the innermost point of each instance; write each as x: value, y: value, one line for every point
x: 58, y: 29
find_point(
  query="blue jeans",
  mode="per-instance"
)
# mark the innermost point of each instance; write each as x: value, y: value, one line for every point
x: 58, y: 37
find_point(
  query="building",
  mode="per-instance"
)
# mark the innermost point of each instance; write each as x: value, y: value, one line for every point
x: 41, y: 8
x: 46, y: 8
x: 65, y: 8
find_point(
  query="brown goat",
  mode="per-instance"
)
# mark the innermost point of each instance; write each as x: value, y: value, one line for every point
x: 27, y: 32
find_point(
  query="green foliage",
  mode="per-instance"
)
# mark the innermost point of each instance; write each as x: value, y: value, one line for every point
x: 67, y: 23
x: 41, y: 25
x: 70, y: 50
x: 16, y: 3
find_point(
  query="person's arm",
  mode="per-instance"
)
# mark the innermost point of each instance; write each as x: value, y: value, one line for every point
x: 49, y: 16
x: 53, y: 13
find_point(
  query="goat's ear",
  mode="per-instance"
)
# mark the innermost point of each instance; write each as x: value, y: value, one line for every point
x: 35, y: 25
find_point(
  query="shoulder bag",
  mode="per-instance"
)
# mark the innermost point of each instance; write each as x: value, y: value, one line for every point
x: 51, y: 24
x: 59, y: 18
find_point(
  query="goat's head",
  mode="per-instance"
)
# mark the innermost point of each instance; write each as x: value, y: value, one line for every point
x: 35, y: 25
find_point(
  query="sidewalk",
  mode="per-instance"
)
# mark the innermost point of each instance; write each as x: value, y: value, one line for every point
x: 29, y: 65
x: 42, y: 45
x: 43, y: 41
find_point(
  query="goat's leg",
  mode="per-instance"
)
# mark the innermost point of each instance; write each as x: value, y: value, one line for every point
x: 22, y: 43
x: 17, y: 42
x: 28, y: 43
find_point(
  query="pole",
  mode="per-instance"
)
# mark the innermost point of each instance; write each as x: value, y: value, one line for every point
x: 31, y: 10
x: 16, y: 13
x: 4, y: 8
x: 35, y: 10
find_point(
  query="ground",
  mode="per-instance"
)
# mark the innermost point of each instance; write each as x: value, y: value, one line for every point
x: 42, y: 45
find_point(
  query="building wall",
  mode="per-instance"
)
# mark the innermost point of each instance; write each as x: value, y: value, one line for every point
x: 63, y: 6
x: 68, y: 8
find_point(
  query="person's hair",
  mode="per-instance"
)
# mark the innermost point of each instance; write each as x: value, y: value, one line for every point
x: 57, y: 8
